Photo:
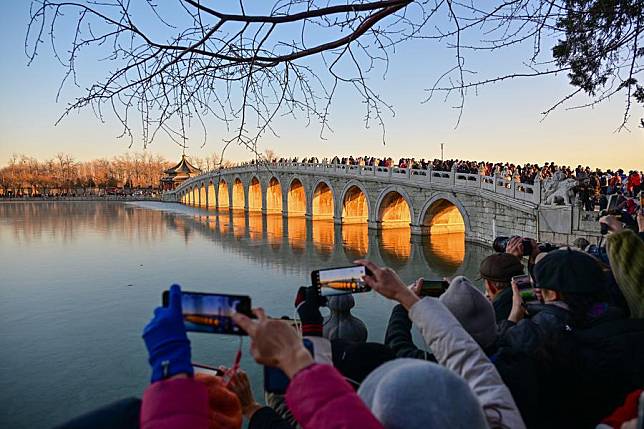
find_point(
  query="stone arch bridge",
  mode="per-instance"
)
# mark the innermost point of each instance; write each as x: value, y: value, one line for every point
x: 427, y: 201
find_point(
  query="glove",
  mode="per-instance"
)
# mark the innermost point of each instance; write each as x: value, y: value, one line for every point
x: 308, y: 302
x: 166, y: 340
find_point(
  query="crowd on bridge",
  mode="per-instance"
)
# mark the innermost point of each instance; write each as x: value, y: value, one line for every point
x: 594, y: 185
x: 557, y: 345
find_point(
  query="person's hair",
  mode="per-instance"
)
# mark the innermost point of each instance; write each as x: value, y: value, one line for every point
x: 500, y: 285
x: 581, y: 304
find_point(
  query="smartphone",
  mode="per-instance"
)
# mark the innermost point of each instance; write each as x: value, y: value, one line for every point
x: 211, y: 312
x: 340, y: 281
x: 522, y: 281
x: 207, y: 369
x: 275, y: 380
x: 434, y: 288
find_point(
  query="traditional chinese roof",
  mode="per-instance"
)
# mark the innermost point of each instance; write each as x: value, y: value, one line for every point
x: 183, y: 167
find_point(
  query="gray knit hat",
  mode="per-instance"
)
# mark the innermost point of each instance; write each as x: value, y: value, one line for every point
x: 472, y: 309
x: 412, y: 393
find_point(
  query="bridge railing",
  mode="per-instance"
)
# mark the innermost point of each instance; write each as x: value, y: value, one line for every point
x: 448, y: 179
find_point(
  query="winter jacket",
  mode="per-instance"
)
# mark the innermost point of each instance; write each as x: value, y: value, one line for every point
x: 175, y: 404
x: 626, y: 255
x: 398, y: 336
x: 502, y: 304
x: 320, y: 398
x: 455, y: 349
x: 580, y: 374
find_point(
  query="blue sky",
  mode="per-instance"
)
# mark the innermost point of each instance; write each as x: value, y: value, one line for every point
x: 501, y: 122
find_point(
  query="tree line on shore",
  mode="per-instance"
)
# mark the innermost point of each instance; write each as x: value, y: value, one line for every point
x: 63, y: 174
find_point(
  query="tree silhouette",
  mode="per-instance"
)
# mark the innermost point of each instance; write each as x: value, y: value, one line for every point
x: 179, y: 63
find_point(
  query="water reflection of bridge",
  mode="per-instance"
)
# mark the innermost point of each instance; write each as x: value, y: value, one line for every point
x: 303, y: 245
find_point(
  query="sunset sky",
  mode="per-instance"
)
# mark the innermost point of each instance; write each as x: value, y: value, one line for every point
x: 500, y: 123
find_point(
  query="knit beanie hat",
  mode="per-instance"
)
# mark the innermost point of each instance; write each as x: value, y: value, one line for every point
x: 626, y: 256
x: 356, y: 360
x: 472, y: 309
x: 416, y: 394
x: 225, y: 409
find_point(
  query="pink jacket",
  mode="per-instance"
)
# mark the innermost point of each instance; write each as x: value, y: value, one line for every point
x: 320, y: 398
x: 173, y: 404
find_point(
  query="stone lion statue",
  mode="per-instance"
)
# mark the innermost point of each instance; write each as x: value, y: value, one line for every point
x: 560, y: 192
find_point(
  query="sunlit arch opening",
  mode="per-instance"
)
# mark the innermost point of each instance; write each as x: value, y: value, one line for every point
x: 238, y: 195
x: 296, y: 199
x: 202, y: 195
x: 322, y: 202
x: 394, y: 211
x: 274, y: 196
x: 222, y: 195
x: 443, y: 217
x: 254, y: 195
x: 195, y: 196
x: 355, y: 208
x: 211, y: 195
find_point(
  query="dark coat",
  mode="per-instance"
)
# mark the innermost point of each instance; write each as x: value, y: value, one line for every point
x: 398, y: 336
x: 502, y: 304
x: 561, y: 376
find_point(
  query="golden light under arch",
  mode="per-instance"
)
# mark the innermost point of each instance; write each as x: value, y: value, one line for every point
x: 296, y: 199
x: 394, y: 212
x: 355, y: 207
x: 322, y: 204
x: 254, y: 195
x: 223, y: 197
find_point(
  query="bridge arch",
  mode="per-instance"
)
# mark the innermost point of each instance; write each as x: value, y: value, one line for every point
x: 322, y: 204
x: 444, y: 214
x: 354, y: 206
x: 195, y: 196
x: 296, y: 198
x: 238, y: 194
x: 212, y: 201
x: 274, y: 196
x: 202, y: 194
x: 254, y: 195
x: 394, y: 208
x: 223, y: 195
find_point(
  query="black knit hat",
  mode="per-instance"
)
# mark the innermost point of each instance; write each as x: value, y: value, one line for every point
x: 568, y: 270
x: 355, y: 361
x: 500, y: 267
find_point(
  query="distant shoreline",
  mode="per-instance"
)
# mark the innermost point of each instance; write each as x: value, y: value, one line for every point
x: 72, y: 199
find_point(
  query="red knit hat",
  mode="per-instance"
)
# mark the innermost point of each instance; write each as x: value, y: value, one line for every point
x: 225, y: 408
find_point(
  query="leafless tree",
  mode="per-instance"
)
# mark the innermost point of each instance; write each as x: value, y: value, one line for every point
x: 182, y: 63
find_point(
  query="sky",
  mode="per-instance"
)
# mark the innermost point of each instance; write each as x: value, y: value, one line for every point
x: 499, y: 123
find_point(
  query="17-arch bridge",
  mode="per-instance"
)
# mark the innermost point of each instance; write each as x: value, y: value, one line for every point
x: 429, y: 202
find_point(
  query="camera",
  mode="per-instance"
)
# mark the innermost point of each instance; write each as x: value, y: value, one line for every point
x: 603, y: 228
x: 501, y: 243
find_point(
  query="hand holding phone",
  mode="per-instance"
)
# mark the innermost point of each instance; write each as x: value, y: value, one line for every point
x: 341, y: 280
x: 210, y: 312
x: 433, y: 288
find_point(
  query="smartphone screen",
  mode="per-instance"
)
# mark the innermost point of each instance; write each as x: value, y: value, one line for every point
x: 522, y: 281
x: 211, y: 313
x: 434, y: 288
x: 275, y: 380
x: 340, y: 281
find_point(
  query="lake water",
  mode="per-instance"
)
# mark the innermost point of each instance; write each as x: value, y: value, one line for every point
x: 80, y: 281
